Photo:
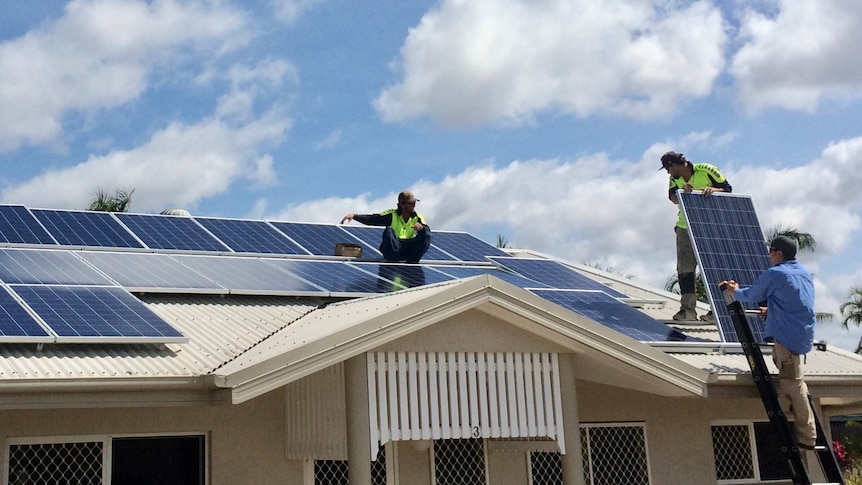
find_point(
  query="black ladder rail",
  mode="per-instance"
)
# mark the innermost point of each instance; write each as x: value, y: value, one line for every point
x: 768, y: 394
x: 825, y: 452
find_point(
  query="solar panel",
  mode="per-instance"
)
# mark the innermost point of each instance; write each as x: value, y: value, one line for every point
x: 170, y: 232
x: 371, y: 235
x: 18, y: 226
x: 18, y: 325
x: 33, y: 266
x: 148, y: 272
x: 729, y: 244
x: 405, y: 275
x: 77, y: 228
x: 554, y: 274
x: 610, y: 312
x: 80, y: 314
x: 337, y: 277
x: 248, y: 275
x: 464, y: 247
x: 468, y: 271
x: 247, y: 236
x: 320, y: 239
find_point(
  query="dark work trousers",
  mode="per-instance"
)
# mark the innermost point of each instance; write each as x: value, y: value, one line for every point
x: 410, y: 250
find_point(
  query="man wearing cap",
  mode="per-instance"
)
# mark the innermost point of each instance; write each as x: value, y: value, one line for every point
x: 688, y: 177
x: 788, y: 290
x: 407, y: 237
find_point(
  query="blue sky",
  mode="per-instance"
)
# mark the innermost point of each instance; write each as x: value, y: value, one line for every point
x: 542, y: 121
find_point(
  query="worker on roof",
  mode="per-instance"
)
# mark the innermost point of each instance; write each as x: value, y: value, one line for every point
x: 788, y: 290
x: 407, y: 237
x: 688, y: 177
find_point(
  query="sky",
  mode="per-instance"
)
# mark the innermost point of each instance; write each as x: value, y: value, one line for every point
x: 541, y: 121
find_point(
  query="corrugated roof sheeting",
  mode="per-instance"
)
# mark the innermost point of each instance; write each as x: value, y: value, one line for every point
x: 219, y: 328
x: 833, y: 363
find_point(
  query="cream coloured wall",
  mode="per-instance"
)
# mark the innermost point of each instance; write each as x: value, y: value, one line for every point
x: 246, y: 442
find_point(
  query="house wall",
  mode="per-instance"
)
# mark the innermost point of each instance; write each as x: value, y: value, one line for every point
x: 246, y: 441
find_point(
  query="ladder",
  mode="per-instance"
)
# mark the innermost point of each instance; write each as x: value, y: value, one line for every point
x: 763, y: 380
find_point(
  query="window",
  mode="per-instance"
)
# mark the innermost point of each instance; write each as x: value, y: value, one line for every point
x: 614, y: 453
x: 747, y: 453
x: 459, y: 462
x: 141, y: 460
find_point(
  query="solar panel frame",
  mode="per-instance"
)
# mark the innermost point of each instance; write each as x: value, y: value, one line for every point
x: 464, y: 246
x: 728, y: 242
x: 319, y: 239
x: 614, y: 314
x: 168, y: 232
x: 86, y: 228
x: 151, y: 272
x: 336, y: 277
x: 250, y: 236
x: 249, y: 276
x: 96, y: 314
x: 19, y: 226
x: 37, y: 266
x: 17, y: 325
x: 554, y: 274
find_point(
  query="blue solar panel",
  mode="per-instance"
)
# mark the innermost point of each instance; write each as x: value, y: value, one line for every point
x: 96, y: 314
x: 554, y: 274
x: 468, y: 271
x: 248, y: 275
x: 610, y: 312
x: 32, y: 266
x: 405, y: 275
x: 336, y: 277
x: 247, y: 236
x: 148, y: 271
x: 463, y: 246
x: 171, y: 232
x: 76, y: 228
x: 729, y: 244
x: 320, y: 239
x: 16, y: 324
x: 18, y: 226
x: 371, y: 235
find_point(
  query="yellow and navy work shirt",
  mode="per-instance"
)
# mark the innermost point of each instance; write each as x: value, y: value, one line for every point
x: 403, y: 229
x: 702, y: 175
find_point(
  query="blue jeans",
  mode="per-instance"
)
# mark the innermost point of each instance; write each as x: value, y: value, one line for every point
x: 410, y: 250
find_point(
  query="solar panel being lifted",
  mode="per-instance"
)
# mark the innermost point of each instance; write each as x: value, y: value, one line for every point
x: 729, y: 244
x: 77, y: 228
x: 170, y: 232
x: 610, y: 312
x: 18, y: 226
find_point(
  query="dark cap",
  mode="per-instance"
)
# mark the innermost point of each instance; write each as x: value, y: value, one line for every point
x: 784, y: 244
x: 671, y: 158
x: 406, y: 197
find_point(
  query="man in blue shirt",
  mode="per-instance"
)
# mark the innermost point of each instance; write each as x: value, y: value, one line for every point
x: 788, y: 290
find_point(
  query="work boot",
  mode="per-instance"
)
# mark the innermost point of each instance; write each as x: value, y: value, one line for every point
x: 686, y: 311
x: 709, y: 317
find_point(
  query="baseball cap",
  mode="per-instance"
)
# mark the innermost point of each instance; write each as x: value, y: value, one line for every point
x: 670, y: 158
x: 406, y: 197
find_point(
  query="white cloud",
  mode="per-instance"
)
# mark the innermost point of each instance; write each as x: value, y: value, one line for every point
x: 329, y: 141
x: 247, y: 84
x: 287, y: 11
x: 805, y: 53
x: 503, y: 61
x: 177, y: 167
x: 100, y: 55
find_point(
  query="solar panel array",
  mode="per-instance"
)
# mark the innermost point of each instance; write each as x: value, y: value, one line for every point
x: 67, y: 276
x: 729, y: 244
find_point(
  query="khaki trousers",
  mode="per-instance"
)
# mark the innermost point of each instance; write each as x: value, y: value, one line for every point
x: 791, y: 385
